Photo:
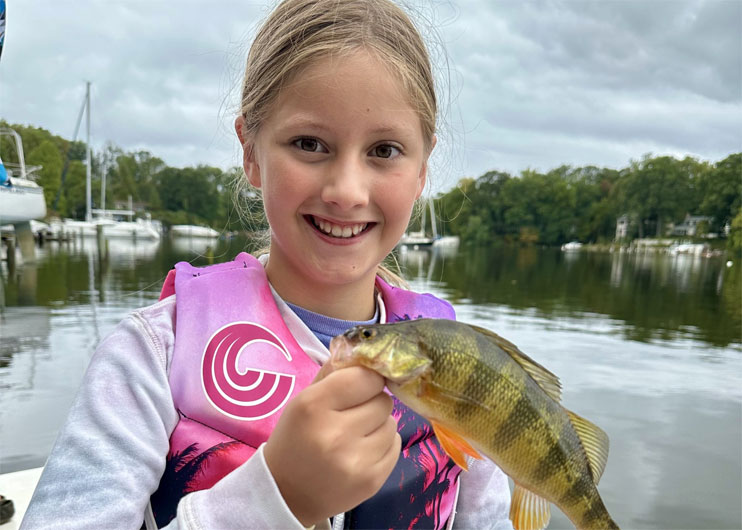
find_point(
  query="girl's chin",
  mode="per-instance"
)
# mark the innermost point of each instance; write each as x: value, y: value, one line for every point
x: 337, y: 273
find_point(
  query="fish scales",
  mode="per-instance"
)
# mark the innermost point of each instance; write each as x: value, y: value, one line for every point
x: 534, y: 426
x: 461, y: 378
x: 505, y: 406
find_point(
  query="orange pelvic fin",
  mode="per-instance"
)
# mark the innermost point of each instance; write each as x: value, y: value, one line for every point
x: 454, y: 445
x: 528, y: 511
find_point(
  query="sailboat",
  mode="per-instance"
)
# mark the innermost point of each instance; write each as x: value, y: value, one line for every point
x: 21, y: 199
x: 420, y: 239
x: 110, y: 221
x: 88, y: 227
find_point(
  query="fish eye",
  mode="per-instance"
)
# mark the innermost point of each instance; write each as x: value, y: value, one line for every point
x: 368, y: 333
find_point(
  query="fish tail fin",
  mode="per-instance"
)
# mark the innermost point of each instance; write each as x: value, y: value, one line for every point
x: 454, y: 445
x: 594, y: 441
x: 528, y: 511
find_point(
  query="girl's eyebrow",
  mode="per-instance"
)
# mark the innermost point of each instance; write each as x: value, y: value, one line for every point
x: 302, y: 121
x: 311, y: 123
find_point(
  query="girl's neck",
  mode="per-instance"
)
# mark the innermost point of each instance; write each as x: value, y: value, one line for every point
x: 354, y: 301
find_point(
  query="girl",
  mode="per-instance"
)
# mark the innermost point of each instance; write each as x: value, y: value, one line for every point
x: 201, y: 411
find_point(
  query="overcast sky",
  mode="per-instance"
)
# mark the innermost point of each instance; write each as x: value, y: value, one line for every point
x: 531, y: 84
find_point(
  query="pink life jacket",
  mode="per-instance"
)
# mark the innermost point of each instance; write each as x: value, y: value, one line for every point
x: 236, y: 364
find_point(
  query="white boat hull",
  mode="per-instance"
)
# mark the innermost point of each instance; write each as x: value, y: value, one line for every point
x: 193, y: 231
x: 20, y: 203
x: 138, y: 229
x: 572, y: 245
x: 415, y: 239
x: 74, y: 228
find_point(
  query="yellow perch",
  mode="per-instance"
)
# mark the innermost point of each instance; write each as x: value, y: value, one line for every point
x: 482, y: 394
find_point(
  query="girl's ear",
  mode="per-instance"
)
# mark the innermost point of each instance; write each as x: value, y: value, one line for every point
x: 252, y: 170
x: 422, y: 177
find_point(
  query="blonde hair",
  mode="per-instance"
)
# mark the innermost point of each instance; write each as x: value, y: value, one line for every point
x: 300, y: 32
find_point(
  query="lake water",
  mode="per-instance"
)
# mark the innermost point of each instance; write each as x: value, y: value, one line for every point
x: 649, y: 347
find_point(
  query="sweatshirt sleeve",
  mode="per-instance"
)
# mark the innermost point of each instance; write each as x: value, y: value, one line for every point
x: 484, y: 498
x: 110, y: 454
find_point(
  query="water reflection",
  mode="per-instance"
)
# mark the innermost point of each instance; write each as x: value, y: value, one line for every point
x: 648, y: 347
x: 662, y: 377
x: 674, y: 462
x: 655, y: 297
x: 194, y: 245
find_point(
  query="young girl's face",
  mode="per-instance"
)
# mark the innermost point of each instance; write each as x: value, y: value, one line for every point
x: 340, y: 159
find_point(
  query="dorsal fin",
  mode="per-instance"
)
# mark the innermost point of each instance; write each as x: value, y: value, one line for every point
x: 548, y: 382
x: 594, y: 441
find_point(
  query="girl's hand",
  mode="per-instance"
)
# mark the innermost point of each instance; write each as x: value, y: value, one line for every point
x: 335, y: 444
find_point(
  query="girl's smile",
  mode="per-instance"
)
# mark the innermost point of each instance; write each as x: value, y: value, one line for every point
x: 338, y: 230
x: 341, y: 159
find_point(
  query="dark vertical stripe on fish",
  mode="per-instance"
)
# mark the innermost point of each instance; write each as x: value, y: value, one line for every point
x: 582, y: 488
x: 464, y: 408
x: 521, y: 417
x: 555, y: 461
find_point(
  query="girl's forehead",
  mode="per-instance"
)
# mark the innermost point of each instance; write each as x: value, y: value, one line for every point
x: 343, y: 69
x: 356, y: 84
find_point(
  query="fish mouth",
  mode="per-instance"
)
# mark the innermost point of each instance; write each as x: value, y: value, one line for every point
x: 341, y: 351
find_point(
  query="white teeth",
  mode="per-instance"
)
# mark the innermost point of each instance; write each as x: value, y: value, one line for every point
x: 338, y: 231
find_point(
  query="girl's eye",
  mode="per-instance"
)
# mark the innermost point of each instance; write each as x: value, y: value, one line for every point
x: 385, y: 151
x: 310, y: 144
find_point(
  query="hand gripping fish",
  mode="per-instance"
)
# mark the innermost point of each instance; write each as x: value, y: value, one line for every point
x: 483, y: 395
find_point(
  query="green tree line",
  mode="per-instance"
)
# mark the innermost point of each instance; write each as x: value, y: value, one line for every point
x: 191, y: 195
x: 551, y: 208
x: 584, y: 203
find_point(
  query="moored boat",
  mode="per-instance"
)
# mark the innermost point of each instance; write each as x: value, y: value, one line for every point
x: 193, y: 231
x: 137, y: 229
x: 21, y: 199
x: 572, y: 245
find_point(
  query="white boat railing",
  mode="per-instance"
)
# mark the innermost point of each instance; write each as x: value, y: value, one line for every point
x: 18, y: 169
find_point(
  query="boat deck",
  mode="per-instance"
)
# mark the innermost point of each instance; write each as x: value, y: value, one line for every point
x: 18, y: 487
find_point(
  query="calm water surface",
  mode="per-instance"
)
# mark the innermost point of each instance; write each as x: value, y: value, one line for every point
x: 648, y: 347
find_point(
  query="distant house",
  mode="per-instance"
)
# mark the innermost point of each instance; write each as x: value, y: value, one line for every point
x: 129, y: 205
x: 689, y: 226
x: 622, y: 227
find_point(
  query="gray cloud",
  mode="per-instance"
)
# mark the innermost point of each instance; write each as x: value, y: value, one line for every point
x: 545, y: 83
x: 533, y: 84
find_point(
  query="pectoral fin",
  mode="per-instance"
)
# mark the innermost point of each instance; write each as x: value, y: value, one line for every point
x: 454, y: 445
x: 528, y: 511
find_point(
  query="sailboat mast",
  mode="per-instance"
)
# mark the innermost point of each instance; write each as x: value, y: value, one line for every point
x: 432, y: 218
x: 103, y: 170
x: 88, y: 178
x: 422, y: 221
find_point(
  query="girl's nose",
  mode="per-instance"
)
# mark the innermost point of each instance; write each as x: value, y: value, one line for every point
x: 346, y: 184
